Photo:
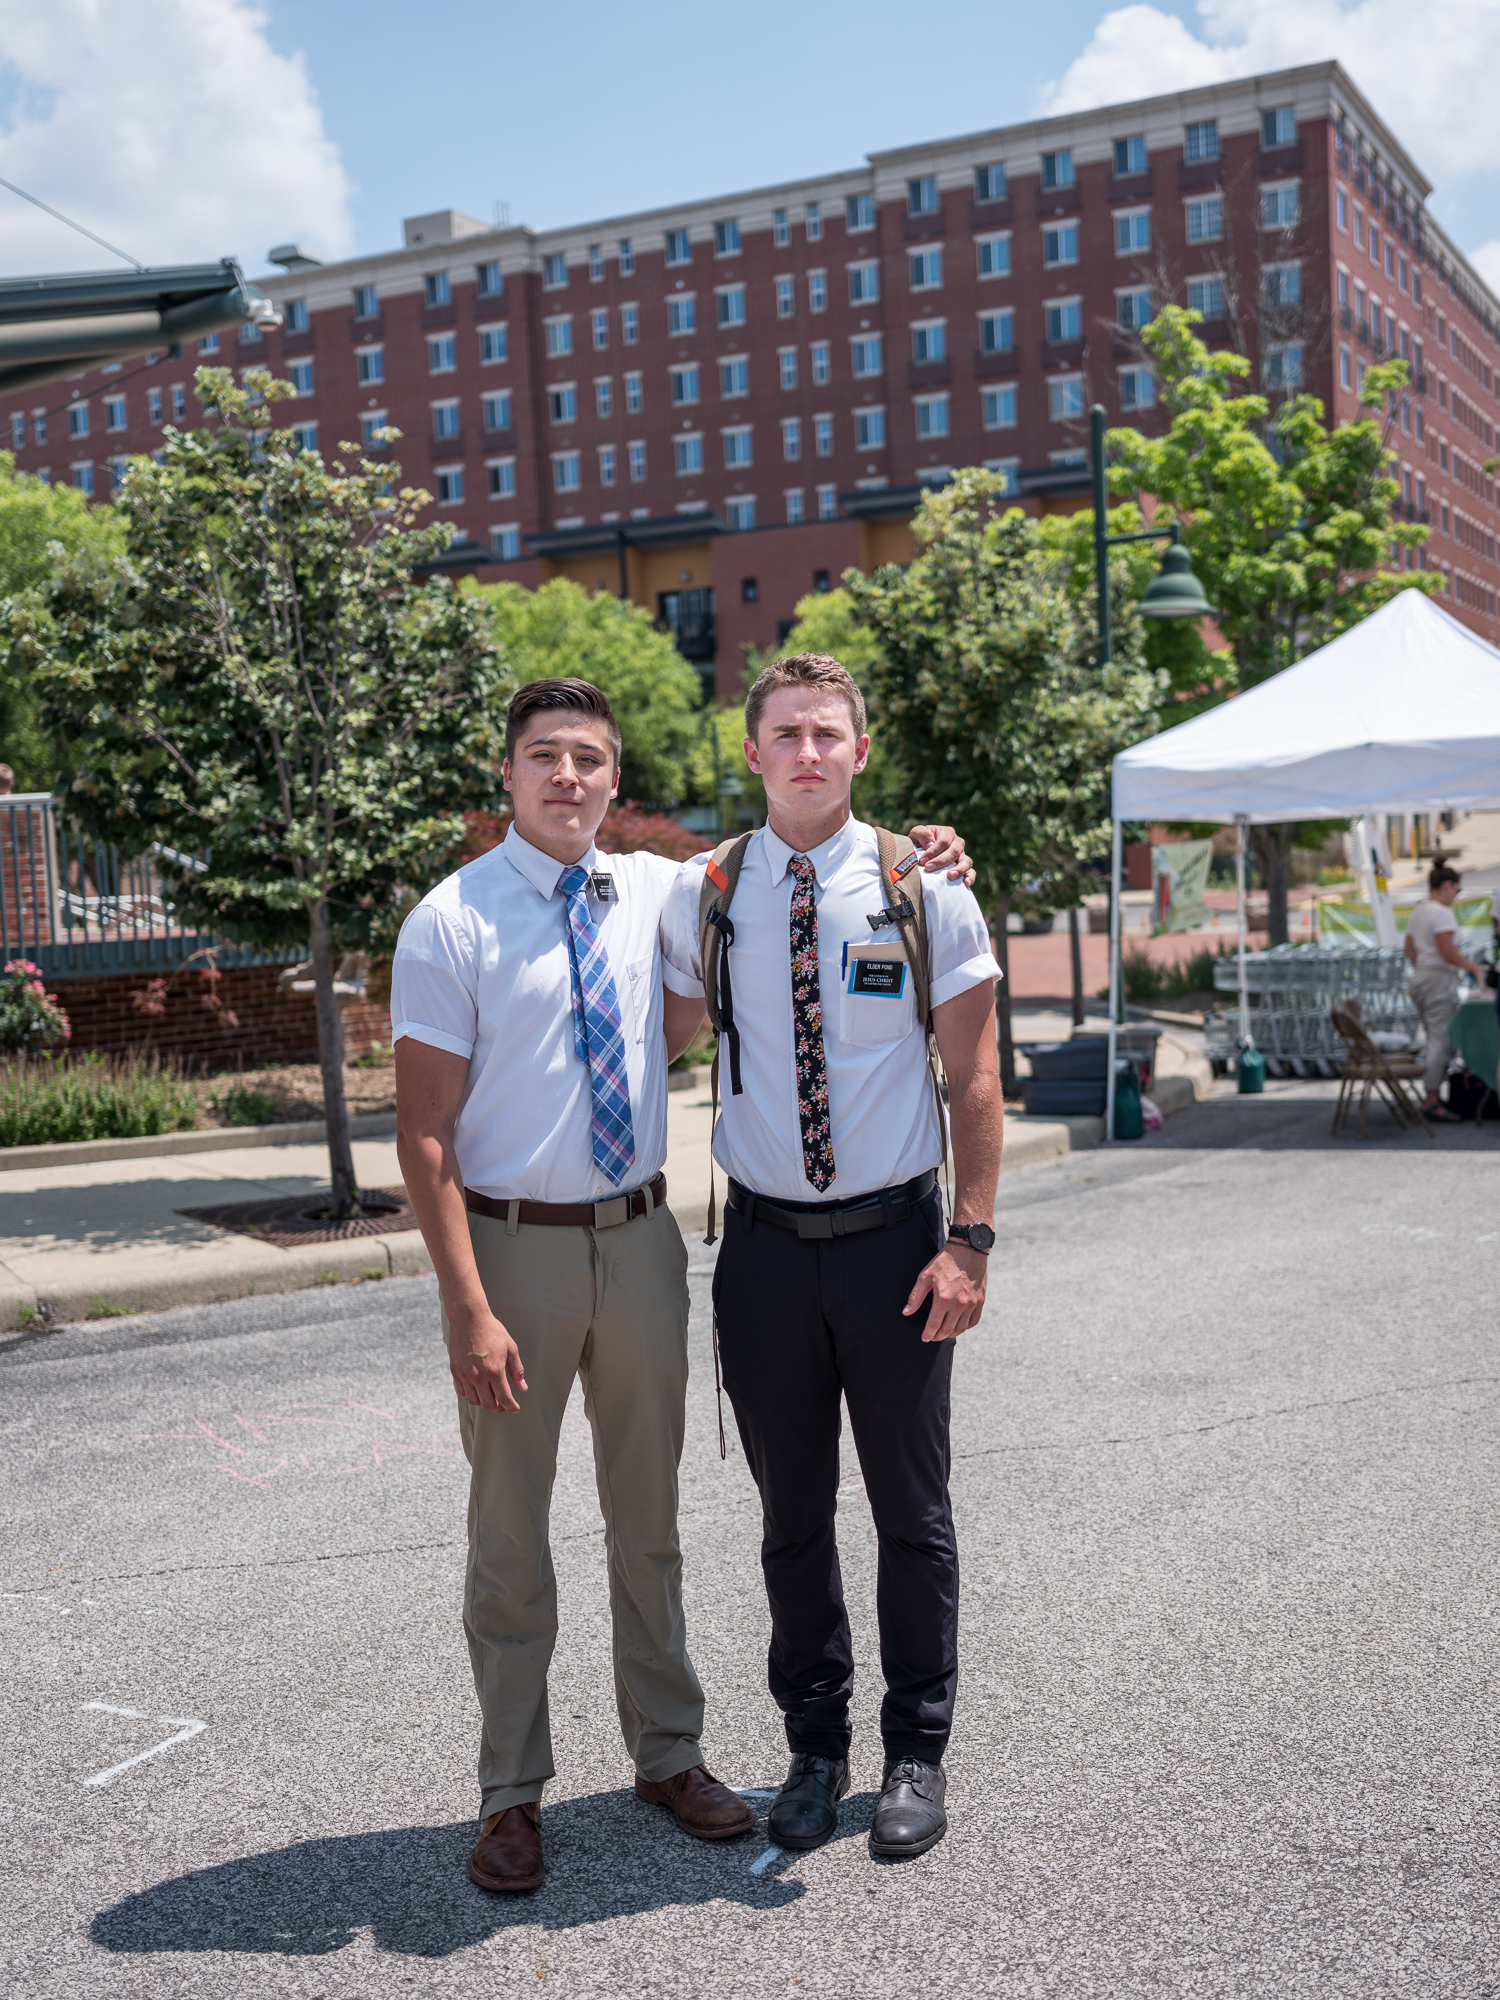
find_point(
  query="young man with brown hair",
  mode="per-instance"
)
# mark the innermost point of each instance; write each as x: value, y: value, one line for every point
x: 835, y: 1281
x: 533, y: 1030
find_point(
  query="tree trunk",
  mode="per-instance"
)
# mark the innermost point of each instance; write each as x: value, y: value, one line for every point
x: 1276, y: 854
x: 1075, y: 954
x: 331, y: 1060
x: 1008, y: 1086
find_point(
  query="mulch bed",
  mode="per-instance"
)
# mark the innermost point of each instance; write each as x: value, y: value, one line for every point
x: 296, y: 1091
x: 289, y: 1221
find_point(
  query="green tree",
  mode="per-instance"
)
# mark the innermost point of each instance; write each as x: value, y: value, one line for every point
x: 259, y: 675
x: 1290, y: 524
x: 656, y: 694
x: 39, y: 525
x: 994, y: 711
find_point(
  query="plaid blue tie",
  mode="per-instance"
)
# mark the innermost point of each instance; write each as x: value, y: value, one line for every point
x: 597, y: 1038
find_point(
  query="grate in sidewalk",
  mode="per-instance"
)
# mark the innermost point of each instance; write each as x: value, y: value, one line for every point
x: 291, y: 1220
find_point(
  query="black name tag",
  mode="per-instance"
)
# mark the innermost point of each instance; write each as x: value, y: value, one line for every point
x: 882, y: 978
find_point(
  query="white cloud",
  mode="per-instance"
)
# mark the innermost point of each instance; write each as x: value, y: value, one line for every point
x: 1420, y: 72
x: 170, y: 127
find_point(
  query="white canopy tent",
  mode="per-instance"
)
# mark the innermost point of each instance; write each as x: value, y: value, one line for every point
x: 1400, y: 714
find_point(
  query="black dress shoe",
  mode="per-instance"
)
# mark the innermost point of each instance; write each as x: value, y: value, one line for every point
x: 909, y: 1818
x: 803, y: 1813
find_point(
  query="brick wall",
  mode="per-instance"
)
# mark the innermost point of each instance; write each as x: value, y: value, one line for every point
x: 271, y: 1026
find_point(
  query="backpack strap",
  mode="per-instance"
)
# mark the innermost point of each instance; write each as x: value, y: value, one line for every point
x: 908, y: 905
x: 715, y: 936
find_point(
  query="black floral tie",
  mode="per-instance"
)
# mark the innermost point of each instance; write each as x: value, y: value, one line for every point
x: 807, y: 1029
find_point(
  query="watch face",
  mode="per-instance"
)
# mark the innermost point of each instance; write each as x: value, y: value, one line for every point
x: 981, y: 1236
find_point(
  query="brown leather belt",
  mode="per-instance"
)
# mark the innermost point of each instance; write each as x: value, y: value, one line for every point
x: 572, y: 1214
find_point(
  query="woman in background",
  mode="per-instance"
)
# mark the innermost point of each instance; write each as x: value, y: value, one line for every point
x: 1431, y: 945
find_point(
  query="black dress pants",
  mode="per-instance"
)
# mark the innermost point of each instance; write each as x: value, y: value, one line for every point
x: 802, y: 1325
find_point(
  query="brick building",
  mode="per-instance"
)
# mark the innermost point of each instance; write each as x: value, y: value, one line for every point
x: 720, y: 406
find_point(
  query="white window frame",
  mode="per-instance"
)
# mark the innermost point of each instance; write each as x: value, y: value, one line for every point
x: 736, y: 438
x: 1279, y: 270
x: 820, y: 357
x: 828, y: 502
x: 561, y: 459
x: 505, y: 488
x: 741, y: 361
x: 817, y: 291
x: 677, y: 248
x: 446, y: 474
x: 677, y: 376
x: 1057, y: 386
x: 786, y: 296
x: 870, y: 417
x: 635, y: 461
x: 554, y: 271
x: 488, y: 333
x: 796, y: 505
x: 858, y: 369
x: 727, y: 237
x: 1207, y: 278
x: 635, y: 392
x: 596, y: 263
x: 114, y: 413
x: 1280, y: 189
x: 1062, y: 305
x: 559, y: 390
x: 599, y: 328
x: 1060, y: 230
x: 491, y: 397
x: 729, y: 305
x: 445, y: 404
x: 791, y: 440
x: 505, y: 541
x: 997, y: 313
x: 1204, y: 202
x: 991, y: 395
x: 630, y: 325
x: 923, y: 257
x: 679, y: 445
x: 823, y: 434
x: 604, y: 397
x: 367, y: 374
x: 925, y: 408
x: 921, y: 332
x: 864, y: 282
x: 557, y: 336
x: 1200, y: 141
x: 609, y: 467
x: 371, y: 421
x: 1131, y: 216
x: 1130, y: 381
x: 786, y: 367
x: 736, y: 508
x: 676, y: 301
x: 1123, y: 292
x: 302, y: 375
x: 985, y: 251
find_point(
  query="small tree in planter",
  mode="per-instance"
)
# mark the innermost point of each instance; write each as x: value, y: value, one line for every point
x: 260, y: 676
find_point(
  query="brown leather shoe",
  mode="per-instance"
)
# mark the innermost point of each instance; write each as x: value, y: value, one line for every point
x: 508, y: 1858
x: 700, y: 1805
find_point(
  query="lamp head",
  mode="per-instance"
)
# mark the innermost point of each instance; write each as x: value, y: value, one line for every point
x: 1175, y: 592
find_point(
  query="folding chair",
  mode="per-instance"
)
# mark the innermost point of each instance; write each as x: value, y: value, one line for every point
x: 1366, y: 1065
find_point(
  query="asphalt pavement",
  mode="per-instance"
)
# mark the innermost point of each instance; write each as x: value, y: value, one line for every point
x: 1225, y: 1465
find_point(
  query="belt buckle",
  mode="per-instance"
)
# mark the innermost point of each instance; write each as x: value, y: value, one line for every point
x: 610, y: 1214
x: 816, y: 1227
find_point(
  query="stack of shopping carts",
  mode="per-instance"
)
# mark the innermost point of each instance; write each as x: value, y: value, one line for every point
x: 1292, y: 991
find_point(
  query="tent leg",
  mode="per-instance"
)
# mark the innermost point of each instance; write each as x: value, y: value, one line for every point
x: 1242, y: 826
x: 1116, y: 990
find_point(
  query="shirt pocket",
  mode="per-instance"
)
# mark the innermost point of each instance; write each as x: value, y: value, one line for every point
x: 876, y: 1004
x: 638, y: 983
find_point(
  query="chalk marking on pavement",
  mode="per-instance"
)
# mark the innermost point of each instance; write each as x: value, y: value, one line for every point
x: 763, y: 1861
x: 184, y: 1725
x: 749, y: 1792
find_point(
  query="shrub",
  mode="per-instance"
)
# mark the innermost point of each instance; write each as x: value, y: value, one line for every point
x: 46, y: 1100
x: 1146, y: 980
x: 30, y: 1017
x: 240, y: 1106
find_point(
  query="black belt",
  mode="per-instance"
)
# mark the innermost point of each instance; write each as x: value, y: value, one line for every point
x: 818, y: 1220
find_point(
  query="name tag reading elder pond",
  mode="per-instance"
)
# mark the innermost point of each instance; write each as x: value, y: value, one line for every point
x: 876, y: 970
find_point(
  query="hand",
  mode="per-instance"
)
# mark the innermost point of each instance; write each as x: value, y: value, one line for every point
x: 484, y: 1361
x: 956, y: 1279
x: 941, y: 847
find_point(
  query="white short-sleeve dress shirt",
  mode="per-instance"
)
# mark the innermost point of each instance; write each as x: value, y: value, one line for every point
x: 881, y: 1110
x: 481, y: 969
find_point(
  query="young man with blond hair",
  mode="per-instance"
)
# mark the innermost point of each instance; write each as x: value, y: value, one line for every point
x: 533, y: 1029
x: 836, y: 1280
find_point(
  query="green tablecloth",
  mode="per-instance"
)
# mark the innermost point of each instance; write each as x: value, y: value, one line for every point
x: 1475, y: 1032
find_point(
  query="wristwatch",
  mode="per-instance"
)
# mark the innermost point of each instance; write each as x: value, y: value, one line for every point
x: 978, y: 1235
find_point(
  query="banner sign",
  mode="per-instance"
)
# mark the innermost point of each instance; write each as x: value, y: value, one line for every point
x: 1351, y: 922
x: 1179, y: 877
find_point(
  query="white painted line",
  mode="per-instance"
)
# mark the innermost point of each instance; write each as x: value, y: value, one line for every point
x: 184, y: 1726
x: 763, y: 1861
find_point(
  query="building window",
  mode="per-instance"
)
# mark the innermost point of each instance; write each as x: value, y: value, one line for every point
x: 866, y: 355
x: 932, y: 416
x: 682, y: 314
x: 635, y: 459
x: 1359, y: 228
x: 567, y: 471
x: 926, y: 269
x: 828, y: 503
x: 814, y: 221
x: 929, y: 341
x: 822, y: 366
x: 737, y: 447
x: 1281, y: 285
x: 1132, y: 231
x: 630, y: 325
x: 679, y: 250
x: 1060, y: 244
x: 1284, y: 368
x: 599, y: 328
x: 998, y: 407
x: 1205, y: 219
x: 249, y: 335
x: 439, y: 291
x: 604, y: 397
x: 993, y: 253
x: 445, y: 420
x: 371, y: 424
x: 153, y: 415
x: 489, y: 281
x: 506, y: 544
x: 731, y: 306
x: 606, y: 465
x: 734, y: 376
x: 922, y: 195
x: 1279, y: 207
x: 1201, y: 141
x: 823, y: 437
x: 859, y: 211
x: 684, y: 384
x: 562, y: 403
x: 786, y: 297
x: 557, y: 336
x: 1137, y: 389
x: 305, y: 436
x: 502, y: 477
x: 596, y: 263
x: 83, y: 479
x: 114, y: 413
x: 300, y: 375
x: 997, y: 332
x: 740, y: 513
x: 293, y: 316
x: 1133, y: 309
x: 1008, y: 470
x: 791, y: 437
x: 989, y: 183
x: 795, y: 514
x: 634, y: 397
x: 727, y: 239
x: 781, y: 229
x: 786, y: 359
x: 1065, y: 398
x: 179, y: 410
x: 554, y: 271
x: 869, y: 429
x: 1206, y: 296
x: 1130, y: 154
x: 1064, y: 320
x: 209, y: 344
x: 369, y: 365
x: 817, y: 291
x: 1057, y: 169
x: 78, y: 421
x: 494, y: 344
x: 1279, y: 127
x: 1341, y: 209
x: 627, y: 258
x: 440, y: 354
x: 864, y: 284
x: 117, y: 468
x: 687, y: 454
x: 1343, y: 288
x: 497, y: 411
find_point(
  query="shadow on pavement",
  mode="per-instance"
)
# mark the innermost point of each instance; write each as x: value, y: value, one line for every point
x: 407, y: 1887
x: 1297, y: 1116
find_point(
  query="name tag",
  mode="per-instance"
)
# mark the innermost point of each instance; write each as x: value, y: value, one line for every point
x: 877, y: 971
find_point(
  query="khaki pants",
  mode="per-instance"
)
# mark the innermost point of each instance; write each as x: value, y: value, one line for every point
x: 609, y: 1305
x: 1434, y: 994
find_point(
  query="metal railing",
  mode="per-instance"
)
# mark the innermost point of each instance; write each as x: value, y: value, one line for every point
x: 74, y: 905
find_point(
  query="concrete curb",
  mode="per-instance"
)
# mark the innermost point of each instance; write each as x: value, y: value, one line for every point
x: 1030, y: 1141
x: 164, y: 1145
